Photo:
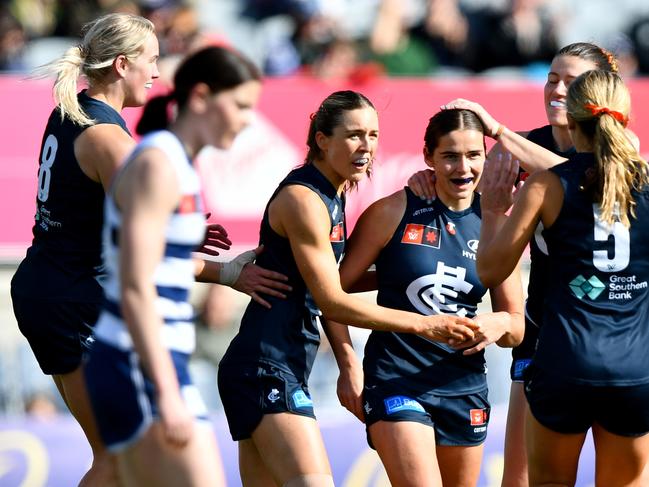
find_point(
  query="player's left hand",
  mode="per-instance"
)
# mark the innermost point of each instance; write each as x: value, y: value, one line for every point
x: 215, y: 237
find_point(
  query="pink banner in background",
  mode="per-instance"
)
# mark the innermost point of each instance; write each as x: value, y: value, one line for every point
x: 238, y: 184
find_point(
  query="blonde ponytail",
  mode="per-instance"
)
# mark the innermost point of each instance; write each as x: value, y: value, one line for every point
x: 599, y: 102
x: 68, y: 69
x: 104, y: 39
x: 621, y: 170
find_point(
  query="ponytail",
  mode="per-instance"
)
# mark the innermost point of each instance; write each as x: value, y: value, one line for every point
x: 67, y: 70
x: 104, y: 39
x: 599, y: 102
x: 620, y: 168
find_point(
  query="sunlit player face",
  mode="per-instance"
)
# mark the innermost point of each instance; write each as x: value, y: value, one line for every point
x: 350, y: 149
x: 140, y: 73
x: 458, y: 161
x: 563, y: 71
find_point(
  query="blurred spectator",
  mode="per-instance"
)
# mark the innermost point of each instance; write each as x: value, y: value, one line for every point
x: 300, y: 10
x: 120, y: 6
x: 624, y: 51
x: 341, y: 62
x: 71, y: 15
x: 522, y: 34
x: 393, y: 45
x: 41, y: 406
x: 38, y: 17
x: 445, y: 28
x: 639, y: 34
x: 181, y: 32
x: 12, y: 42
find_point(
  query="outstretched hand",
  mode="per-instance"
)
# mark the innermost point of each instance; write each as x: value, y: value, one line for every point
x: 215, y: 237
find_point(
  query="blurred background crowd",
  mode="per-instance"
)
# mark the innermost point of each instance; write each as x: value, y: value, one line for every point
x: 337, y: 40
x: 353, y: 39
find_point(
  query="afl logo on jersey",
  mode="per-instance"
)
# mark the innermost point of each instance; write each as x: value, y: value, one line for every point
x: 473, y: 245
x: 418, y: 234
x: 337, y: 233
x: 478, y: 416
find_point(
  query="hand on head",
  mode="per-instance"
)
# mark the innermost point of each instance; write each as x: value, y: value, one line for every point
x: 492, y: 127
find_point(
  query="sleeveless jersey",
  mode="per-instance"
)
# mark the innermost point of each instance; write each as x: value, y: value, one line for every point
x: 66, y: 248
x: 287, y: 335
x: 538, y: 278
x: 597, y: 307
x: 174, y: 275
x: 428, y: 267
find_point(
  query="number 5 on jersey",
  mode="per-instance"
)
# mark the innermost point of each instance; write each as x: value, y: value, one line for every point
x: 621, y: 244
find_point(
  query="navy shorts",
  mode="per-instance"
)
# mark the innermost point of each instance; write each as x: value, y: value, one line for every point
x: 457, y: 420
x: 58, y: 332
x: 123, y: 396
x: 522, y: 354
x: 570, y: 408
x: 248, y: 393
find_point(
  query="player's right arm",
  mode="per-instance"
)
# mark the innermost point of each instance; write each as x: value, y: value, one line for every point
x: 300, y: 215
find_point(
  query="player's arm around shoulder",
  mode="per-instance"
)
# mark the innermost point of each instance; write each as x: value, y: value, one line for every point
x: 373, y: 230
x: 101, y: 150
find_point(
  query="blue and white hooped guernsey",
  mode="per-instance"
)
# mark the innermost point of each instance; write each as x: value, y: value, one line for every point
x: 174, y: 276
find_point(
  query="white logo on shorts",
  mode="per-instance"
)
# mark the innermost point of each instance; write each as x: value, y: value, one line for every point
x: 274, y: 395
x: 367, y: 408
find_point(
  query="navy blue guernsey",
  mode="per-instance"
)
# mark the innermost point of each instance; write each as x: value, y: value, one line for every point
x: 287, y: 335
x: 428, y: 267
x: 538, y: 278
x: 597, y: 307
x: 69, y: 211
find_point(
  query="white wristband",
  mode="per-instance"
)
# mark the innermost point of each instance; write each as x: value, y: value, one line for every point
x: 230, y: 271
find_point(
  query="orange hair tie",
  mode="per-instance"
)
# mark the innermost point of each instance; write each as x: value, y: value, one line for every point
x: 597, y: 110
x: 611, y: 59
